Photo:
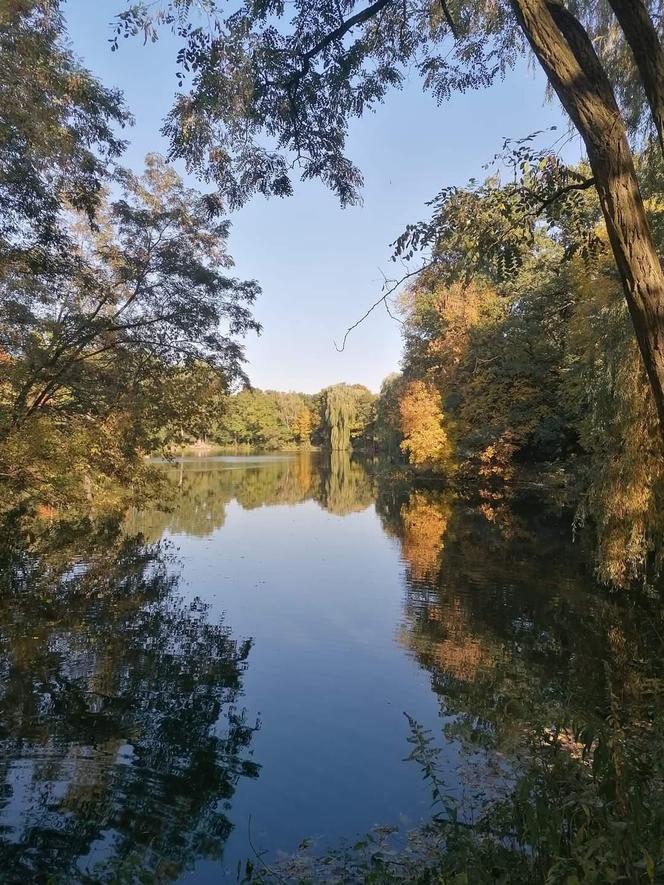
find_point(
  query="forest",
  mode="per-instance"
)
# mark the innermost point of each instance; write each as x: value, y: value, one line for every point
x: 530, y: 303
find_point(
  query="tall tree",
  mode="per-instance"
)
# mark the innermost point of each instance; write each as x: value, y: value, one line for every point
x: 347, y: 414
x: 573, y: 68
x: 339, y: 416
x: 57, y: 137
x: 424, y: 436
x: 300, y: 84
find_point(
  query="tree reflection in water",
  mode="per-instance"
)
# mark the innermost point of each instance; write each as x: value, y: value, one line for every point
x: 346, y: 485
x: 121, y: 735
x: 340, y: 484
x: 525, y: 652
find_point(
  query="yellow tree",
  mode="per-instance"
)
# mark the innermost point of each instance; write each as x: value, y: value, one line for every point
x: 425, y: 439
x: 424, y: 519
x: 302, y: 426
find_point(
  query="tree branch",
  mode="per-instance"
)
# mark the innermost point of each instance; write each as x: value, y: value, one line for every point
x: 448, y: 18
x: 646, y: 47
x: 339, y: 32
x: 584, y: 185
x: 382, y: 300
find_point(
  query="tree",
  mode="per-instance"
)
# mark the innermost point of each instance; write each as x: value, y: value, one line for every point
x: 424, y: 436
x: 119, y: 324
x: 528, y: 345
x: 301, y: 84
x: 339, y: 414
x: 346, y: 416
x: 267, y: 419
x: 291, y: 411
x: 388, y: 418
x: 146, y: 296
x: 130, y: 347
x: 303, y: 426
x: 363, y: 431
x: 566, y: 53
x: 57, y: 138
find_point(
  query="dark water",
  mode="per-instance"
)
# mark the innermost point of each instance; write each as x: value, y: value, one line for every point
x: 235, y: 672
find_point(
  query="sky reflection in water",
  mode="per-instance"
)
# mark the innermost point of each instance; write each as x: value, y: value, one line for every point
x: 249, y: 655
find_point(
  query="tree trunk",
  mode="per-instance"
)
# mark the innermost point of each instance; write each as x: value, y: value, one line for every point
x: 643, y: 39
x: 568, y: 58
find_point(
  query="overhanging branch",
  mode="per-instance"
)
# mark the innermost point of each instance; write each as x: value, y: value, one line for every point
x: 584, y: 185
x: 382, y: 300
x: 448, y: 18
x: 358, y: 19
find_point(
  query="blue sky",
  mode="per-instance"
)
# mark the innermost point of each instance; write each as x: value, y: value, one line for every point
x: 321, y: 266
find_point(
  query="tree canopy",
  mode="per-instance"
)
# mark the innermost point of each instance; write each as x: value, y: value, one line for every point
x: 273, y: 89
x: 58, y: 137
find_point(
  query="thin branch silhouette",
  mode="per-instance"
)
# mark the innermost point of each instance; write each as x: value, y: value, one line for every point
x: 393, y: 286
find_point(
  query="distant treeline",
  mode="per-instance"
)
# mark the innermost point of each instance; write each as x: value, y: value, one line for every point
x: 342, y: 417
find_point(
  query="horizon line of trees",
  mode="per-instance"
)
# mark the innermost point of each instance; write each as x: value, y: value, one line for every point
x: 341, y: 417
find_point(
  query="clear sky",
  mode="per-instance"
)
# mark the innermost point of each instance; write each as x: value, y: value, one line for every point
x: 321, y: 266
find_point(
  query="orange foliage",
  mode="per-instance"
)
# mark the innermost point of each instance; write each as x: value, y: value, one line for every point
x: 424, y: 526
x: 424, y: 437
x: 303, y: 426
x: 461, y: 654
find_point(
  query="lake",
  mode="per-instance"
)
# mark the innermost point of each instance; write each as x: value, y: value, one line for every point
x: 231, y: 675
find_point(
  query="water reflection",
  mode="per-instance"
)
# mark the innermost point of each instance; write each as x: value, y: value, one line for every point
x: 499, y: 604
x: 205, y: 486
x: 508, y: 637
x: 346, y: 486
x: 502, y: 611
x: 121, y: 735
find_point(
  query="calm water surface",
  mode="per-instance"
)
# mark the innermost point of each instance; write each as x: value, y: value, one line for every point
x: 237, y: 669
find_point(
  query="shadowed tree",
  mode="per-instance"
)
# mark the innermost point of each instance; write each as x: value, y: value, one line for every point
x: 148, y: 294
x: 58, y: 137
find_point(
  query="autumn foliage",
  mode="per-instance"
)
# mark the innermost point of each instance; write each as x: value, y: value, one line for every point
x: 424, y: 437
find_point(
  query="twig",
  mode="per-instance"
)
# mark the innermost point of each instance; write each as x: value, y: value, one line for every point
x: 259, y: 857
x: 382, y: 300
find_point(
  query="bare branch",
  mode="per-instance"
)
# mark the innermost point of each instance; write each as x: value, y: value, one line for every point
x: 448, y: 18
x: 382, y: 300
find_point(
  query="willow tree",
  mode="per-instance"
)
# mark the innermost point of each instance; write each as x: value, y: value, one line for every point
x: 271, y: 95
x: 339, y: 415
